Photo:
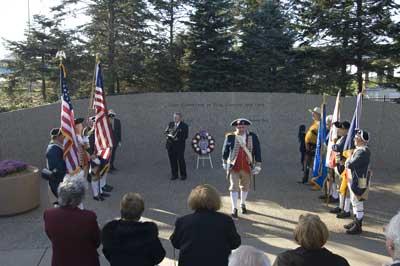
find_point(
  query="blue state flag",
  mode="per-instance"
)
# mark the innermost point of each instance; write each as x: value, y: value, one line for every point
x: 355, y: 124
x: 319, y: 167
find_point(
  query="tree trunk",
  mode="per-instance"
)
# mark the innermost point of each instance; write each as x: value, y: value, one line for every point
x: 359, y: 48
x: 111, y: 45
x: 171, y: 30
x: 343, y: 68
x: 43, y: 81
x: 118, y: 88
x: 366, y: 79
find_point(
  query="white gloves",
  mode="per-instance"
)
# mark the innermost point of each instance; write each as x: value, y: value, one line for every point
x: 256, y: 170
x: 225, y: 166
x: 85, y: 140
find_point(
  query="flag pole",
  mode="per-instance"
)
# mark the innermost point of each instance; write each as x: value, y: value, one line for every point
x: 91, y: 98
x: 327, y: 184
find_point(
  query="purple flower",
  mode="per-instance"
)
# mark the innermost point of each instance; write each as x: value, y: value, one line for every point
x: 11, y: 166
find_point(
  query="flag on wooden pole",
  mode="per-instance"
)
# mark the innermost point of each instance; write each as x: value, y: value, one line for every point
x: 102, y: 126
x: 71, y: 156
x: 333, y: 134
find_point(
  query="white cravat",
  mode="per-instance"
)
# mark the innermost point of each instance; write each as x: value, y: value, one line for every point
x: 243, y: 138
x: 177, y: 124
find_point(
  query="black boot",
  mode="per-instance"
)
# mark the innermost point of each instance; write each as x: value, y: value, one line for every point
x: 305, y: 176
x: 234, y: 214
x: 356, y: 229
x: 343, y: 215
x: 350, y: 225
x: 243, y: 207
x: 336, y: 210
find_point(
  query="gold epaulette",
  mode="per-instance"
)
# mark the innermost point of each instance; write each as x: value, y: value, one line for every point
x: 229, y: 133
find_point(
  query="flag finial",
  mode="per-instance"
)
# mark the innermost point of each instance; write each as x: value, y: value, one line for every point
x: 324, y: 96
x: 97, y: 58
x: 60, y: 55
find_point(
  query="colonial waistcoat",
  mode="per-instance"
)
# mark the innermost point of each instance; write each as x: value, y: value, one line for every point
x: 238, y: 150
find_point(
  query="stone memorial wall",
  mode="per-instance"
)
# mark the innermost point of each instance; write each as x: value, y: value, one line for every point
x: 276, y: 117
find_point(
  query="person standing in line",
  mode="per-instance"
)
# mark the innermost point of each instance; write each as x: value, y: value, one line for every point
x: 302, y: 145
x: 311, y: 142
x: 177, y: 132
x: 117, y: 137
x: 358, y: 181
x: 343, y: 210
x: 55, y: 162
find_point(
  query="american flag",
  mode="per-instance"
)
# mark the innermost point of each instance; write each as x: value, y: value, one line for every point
x: 71, y: 156
x: 102, y: 127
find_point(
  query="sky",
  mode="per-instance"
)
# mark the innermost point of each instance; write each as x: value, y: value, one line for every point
x: 14, y: 18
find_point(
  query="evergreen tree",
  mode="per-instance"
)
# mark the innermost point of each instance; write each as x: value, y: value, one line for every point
x: 166, y: 50
x: 351, y: 33
x: 35, y: 56
x: 210, y: 46
x: 267, y: 49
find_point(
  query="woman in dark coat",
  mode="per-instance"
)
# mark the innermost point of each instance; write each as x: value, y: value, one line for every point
x: 205, y: 237
x: 126, y: 241
x: 311, y: 234
x: 74, y: 233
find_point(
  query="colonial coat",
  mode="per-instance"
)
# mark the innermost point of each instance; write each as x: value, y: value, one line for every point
x: 231, y: 148
x: 358, y: 164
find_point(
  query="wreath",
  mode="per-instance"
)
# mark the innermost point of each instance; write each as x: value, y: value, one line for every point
x: 203, y: 143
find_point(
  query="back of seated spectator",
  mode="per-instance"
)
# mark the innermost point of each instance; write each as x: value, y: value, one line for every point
x: 205, y: 237
x: 127, y: 241
x: 392, y: 233
x: 311, y: 234
x: 74, y: 233
x: 248, y: 256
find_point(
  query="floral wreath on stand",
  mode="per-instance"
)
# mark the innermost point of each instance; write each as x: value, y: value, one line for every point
x: 203, y: 143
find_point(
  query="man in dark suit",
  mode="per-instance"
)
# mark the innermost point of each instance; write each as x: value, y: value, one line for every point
x: 116, y: 129
x: 55, y: 160
x: 177, y: 132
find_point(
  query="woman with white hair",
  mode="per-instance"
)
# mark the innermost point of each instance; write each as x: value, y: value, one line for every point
x: 392, y: 233
x: 74, y: 233
x: 249, y: 256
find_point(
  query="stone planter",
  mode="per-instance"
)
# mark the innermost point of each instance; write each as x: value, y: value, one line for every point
x: 20, y: 192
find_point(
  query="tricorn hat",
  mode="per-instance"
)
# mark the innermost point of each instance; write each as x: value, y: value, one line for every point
x: 111, y: 113
x: 240, y: 121
x: 364, y: 135
x: 344, y: 124
x: 79, y: 120
x: 54, y: 132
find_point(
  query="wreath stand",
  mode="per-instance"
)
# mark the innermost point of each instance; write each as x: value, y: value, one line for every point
x: 202, y: 158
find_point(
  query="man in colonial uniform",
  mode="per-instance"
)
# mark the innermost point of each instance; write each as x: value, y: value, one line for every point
x: 343, y: 210
x: 358, y: 181
x: 311, y: 142
x: 241, y: 157
x: 83, y: 144
x: 98, y: 167
x: 55, y: 161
